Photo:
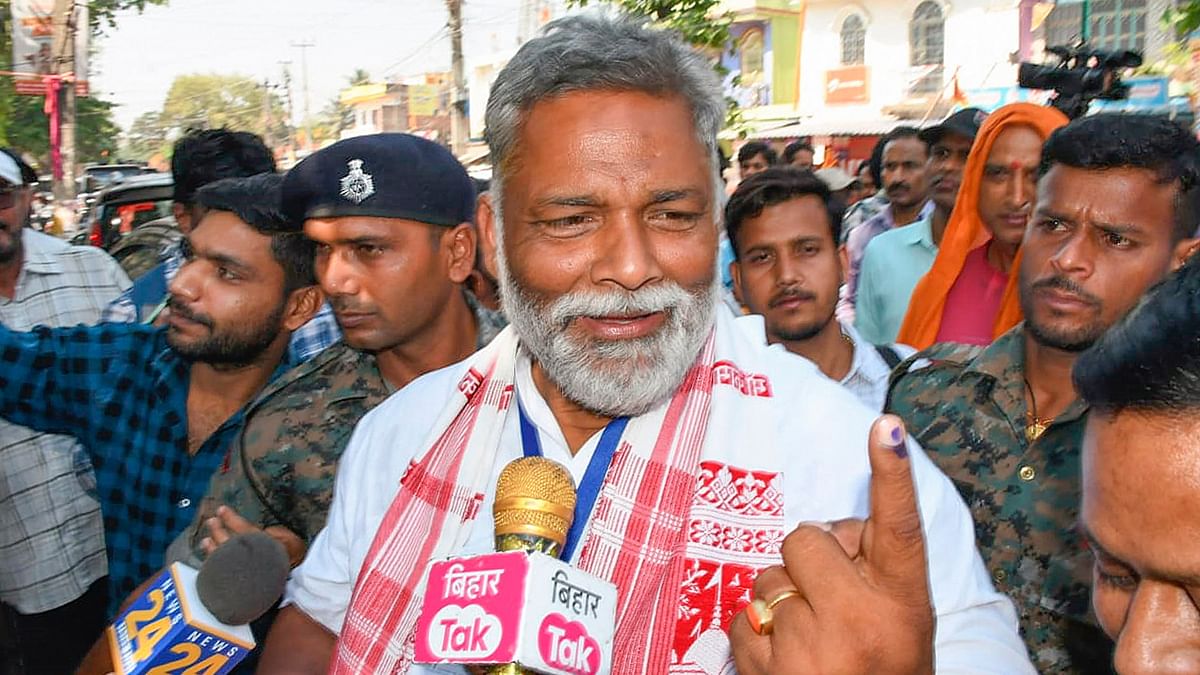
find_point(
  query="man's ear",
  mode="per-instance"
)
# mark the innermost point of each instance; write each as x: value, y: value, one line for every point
x: 843, y: 263
x: 1184, y: 250
x: 735, y: 271
x: 485, y: 219
x: 302, y: 305
x: 461, y: 243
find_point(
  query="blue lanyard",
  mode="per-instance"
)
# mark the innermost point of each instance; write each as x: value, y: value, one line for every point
x: 593, y: 477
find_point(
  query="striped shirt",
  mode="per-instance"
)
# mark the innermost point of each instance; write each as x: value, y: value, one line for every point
x: 51, y: 532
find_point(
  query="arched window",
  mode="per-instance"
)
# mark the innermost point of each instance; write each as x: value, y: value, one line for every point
x: 751, y: 52
x: 927, y: 45
x: 854, y: 41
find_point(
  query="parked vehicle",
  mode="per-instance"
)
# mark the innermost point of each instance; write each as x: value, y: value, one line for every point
x: 132, y: 220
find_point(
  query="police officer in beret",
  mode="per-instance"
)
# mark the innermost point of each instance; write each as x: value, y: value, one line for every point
x: 391, y: 215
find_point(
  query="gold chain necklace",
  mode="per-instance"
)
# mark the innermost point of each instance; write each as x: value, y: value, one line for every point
x: 1034, y: 425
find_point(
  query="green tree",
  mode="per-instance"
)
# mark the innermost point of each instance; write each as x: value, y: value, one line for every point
x: 103, y: 13
x: 1184, y: 17
x: 699, y: 22
x: 96, y: 133
x: 336, y: 117
x: 231, y: 101
x: 147, y: 137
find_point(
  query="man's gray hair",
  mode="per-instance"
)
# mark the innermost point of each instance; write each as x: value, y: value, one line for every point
x: 600, y: 52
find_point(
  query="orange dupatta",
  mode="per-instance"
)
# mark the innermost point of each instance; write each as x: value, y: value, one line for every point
x: 965, y: 232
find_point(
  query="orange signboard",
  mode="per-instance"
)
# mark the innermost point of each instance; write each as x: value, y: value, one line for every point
x: 849, y: 84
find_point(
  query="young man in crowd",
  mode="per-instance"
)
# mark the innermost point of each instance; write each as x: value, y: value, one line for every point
x: 968, y: 295
x: 156, y: 408
x: 894, y: 261
x: 52, y: 563
x: 197, y: 159
x: 784, y: 229
x: 799, y: 155
x: 755, y: 156
x: 904, y: 159
x: 1117, y: 207
x: 1140, y: 493
x: 605, y: 232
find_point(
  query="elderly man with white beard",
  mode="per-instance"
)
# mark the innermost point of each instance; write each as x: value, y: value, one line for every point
x: 741, y: 512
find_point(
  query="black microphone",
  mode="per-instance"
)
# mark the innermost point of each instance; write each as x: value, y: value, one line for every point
x: 196, y: 621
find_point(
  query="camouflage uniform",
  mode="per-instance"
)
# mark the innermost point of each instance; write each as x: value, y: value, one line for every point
x: 280, y: 470
x: 966, y: 406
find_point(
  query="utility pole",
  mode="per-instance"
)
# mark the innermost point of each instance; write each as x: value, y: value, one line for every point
x: 287, y: 93
x: 303, y: 47
x: 64, y: 66
x: 458, y: 93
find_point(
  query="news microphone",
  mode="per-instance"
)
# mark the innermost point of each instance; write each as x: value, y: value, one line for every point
x: 195, y: 621
x: 521, y: 608
x: 534, y: 507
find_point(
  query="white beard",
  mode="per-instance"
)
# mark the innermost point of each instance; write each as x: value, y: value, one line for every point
x: 614, y: 378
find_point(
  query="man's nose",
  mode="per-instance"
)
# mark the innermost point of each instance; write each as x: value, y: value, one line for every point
x: 1161, y: 632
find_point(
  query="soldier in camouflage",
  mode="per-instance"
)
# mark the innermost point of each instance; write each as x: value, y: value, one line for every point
x: 1117, y: 207
x: 391, y: 216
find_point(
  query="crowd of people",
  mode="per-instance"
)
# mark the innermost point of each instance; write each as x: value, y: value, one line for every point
x: 938, y: 426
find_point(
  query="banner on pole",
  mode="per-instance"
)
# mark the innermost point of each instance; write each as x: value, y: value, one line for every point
x: 33, y: 45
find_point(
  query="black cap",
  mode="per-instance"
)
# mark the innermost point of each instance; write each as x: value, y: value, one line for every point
x: 382, y: 175
x: 965, y: 122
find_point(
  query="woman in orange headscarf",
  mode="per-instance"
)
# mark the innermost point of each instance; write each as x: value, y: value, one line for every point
x: 969, y: 257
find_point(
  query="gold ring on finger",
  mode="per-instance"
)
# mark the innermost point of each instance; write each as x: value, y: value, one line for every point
x: 781, y: 597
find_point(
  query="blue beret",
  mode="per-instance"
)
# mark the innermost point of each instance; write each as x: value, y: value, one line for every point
x: 382, y: 175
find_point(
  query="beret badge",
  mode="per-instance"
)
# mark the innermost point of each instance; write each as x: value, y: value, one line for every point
x: 357, y: 185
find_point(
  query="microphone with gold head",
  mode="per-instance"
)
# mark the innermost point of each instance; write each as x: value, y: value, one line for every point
x: 521, y: 609
x: 535, y: 504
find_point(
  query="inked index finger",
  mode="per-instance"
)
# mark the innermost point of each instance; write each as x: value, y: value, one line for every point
x: 895, y: 542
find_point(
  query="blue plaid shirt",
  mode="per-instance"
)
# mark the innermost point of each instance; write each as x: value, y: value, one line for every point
x: 122, y: 392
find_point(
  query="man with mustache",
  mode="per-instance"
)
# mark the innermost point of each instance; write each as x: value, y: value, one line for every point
x: 156, y: 407
x: 392, y: 264
x: 902, y: 168
x: 620, y: 365
x: 968, y: 296
x: 894, y: 260
x: 784, y: 229
x: 1117, y: 208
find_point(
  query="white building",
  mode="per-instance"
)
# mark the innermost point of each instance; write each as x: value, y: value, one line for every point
x: 871, y: 60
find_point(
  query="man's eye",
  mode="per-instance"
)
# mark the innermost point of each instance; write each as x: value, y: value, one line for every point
x: 226, y: 273
x: 323, y: 250
x: 1052, y: 225
x: 568, y: 223
x: 369, y: 250
x: 1117, y: 240
x: 758, y: 257
x: 186, y: 250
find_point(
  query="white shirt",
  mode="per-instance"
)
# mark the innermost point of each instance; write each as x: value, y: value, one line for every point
x: 823, y: 481
x: 869, y: 373
x: 51, y: 532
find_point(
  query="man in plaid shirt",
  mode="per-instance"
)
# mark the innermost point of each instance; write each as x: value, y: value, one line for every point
x: 156, y: 407
x: 52, y: 565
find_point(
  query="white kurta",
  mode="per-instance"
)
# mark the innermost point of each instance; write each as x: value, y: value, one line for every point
x: 818, y: 433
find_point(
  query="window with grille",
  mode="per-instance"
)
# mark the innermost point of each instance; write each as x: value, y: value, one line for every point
x: 854, y: 41
x: 927, y: 44
x: 1118, y: 24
